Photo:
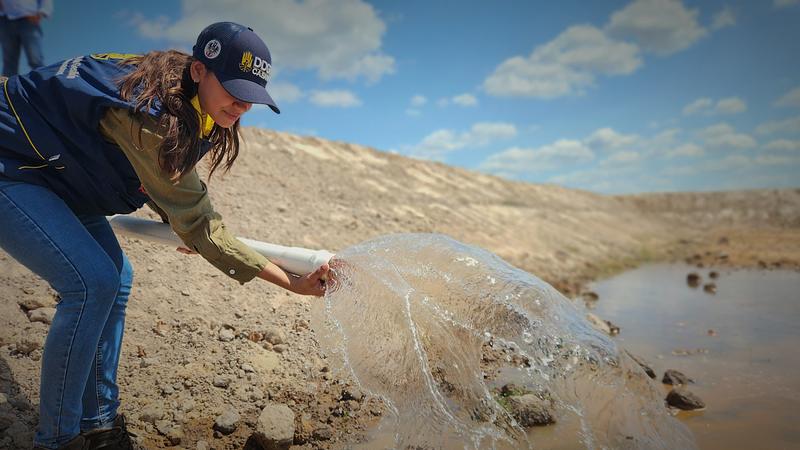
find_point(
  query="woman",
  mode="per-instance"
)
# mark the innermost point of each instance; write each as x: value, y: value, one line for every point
x: 105, y: 134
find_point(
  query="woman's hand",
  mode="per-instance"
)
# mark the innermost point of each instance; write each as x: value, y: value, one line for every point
x: 186, y: 251
x: 313, y: 283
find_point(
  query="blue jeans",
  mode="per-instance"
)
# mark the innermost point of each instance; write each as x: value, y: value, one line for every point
x: 20, y: 33
x: 81, y: 259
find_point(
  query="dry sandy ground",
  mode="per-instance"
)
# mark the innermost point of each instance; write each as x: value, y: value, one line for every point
x: 197, y: 344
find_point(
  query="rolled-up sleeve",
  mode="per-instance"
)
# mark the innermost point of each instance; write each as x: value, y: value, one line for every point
x: 185, y: 202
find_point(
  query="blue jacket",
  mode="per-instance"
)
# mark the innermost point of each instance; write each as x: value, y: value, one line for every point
x: 49, y: 134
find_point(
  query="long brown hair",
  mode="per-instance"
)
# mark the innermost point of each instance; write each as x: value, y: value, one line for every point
x: 164, y: 76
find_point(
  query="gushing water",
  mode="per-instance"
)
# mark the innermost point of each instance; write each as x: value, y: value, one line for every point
x: 435, y: 328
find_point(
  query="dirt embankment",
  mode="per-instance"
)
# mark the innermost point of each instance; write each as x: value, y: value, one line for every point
x: 198, y: 345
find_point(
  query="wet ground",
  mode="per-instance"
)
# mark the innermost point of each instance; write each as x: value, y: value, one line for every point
x: 741, y: 345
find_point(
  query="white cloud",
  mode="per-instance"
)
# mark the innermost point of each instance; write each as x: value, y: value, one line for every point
x: 698, y: 106
x: 334, y: 98
x: 705, y: 105
x: 465, y: 100
x: 418, y: 100
x: 517, y: 160
x: 724, y: 135
x: 440, y: 142
x: 607, y: 138
x: 723, y: 18
x: 566, y: 65
x: 621, y: 158
x: 689, y: 150
x: 413, y: 112
x: 791, y: 98
x: 790, y: 125
x: 783, y: 145
x: 338, y: 39
x: 283, y: 92
x: 784, y: 3
x: 731, y: 105
x: 660, y: 26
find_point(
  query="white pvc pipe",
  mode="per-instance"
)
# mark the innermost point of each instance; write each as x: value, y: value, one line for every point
x: 296, y: 260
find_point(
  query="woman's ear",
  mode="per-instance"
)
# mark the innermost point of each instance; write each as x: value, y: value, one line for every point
x: 197, y: 70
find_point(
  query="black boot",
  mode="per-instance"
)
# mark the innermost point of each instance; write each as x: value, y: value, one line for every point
x: 116, y: 438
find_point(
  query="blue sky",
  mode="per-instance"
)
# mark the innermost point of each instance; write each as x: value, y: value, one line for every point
x: 611, y: 96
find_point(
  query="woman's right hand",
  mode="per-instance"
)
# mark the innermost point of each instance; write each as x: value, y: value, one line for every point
x: 313, y: 283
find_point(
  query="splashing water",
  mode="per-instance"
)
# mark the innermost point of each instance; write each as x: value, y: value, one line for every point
x: 434, y: 327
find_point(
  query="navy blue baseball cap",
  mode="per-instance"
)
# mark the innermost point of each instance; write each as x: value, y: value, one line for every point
x: 240, y: 60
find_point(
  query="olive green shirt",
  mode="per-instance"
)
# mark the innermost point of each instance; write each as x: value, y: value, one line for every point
x: 185, y: 202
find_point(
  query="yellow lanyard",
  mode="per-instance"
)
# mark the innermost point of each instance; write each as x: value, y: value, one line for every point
x: 206, y: 122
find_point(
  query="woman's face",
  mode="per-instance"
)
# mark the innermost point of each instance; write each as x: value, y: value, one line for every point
x: 214, y: 99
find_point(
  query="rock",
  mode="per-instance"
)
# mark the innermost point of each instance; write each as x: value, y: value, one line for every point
x: 713, y: 275
x: 711, y: 288
x: 226, y: 335
x: 151, y: 413
x: 644, y: 365
x: 44, y: 315
x: 530, y: 410
x: 202, y: 445
x: 683, y: 399
x: 322, y: 433
x: 3, y: 398
x: 221, y: 382
x: 32, y: 303
x: 352, y: 393
x: 275, y: 336
x: 186, y: 405
x: 163, y: 427
x: 693, y: 279
x: 590, y: 295
x: 227, y: 422
x: 675, y: 378
x: 175, y: 436
x: 279, y: 348
x: 275, y: 427
x: 723, y: 241
x: 602, y: 325
x: 26, y: 346
x: 255, y: 336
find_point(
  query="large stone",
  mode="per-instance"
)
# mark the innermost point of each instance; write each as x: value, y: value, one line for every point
x: 275, y: 427
x: 530, y: 410
x: 675, y: 378
x: 227, y: 422
x: 683, y: 399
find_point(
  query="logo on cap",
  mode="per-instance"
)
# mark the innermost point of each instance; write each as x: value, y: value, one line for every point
x: 262, y: 68
x: 247, y: 62
x: 213, y: 48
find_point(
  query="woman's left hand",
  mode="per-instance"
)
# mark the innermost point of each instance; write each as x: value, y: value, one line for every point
x: 311, y: 284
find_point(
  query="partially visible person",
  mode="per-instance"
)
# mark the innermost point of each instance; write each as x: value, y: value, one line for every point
x: 20, y: 27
